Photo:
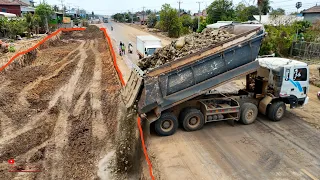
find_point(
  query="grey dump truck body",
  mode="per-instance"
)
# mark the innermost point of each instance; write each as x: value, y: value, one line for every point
x: 183, y: 79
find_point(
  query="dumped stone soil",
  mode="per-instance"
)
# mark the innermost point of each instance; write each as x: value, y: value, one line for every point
x: 184, y: 46
x: 59, y: 114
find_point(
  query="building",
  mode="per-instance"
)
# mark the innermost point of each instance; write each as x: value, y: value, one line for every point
x: 12, y: 6
x: 277, y: 20
x: 29, y: 2
x: 312, y: 14
x: 201, y: 14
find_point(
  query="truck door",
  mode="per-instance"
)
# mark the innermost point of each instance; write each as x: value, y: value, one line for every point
x: 301, y: 78
x: 295, y: 81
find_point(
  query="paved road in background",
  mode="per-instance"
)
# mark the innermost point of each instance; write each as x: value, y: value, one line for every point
x: 288, y: 149
x: 126, y: 34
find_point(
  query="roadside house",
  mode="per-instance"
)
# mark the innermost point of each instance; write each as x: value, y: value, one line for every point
x: 12, y: 6
x: 277, y: 20
x: 312, y: 14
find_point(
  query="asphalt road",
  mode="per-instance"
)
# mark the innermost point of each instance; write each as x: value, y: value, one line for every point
x: 289, y: 149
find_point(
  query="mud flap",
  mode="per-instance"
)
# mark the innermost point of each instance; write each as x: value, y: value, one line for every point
x: 264, y: 104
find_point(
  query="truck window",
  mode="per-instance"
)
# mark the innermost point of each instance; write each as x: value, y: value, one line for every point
x: 287, y: 75
x: 300, y: 74
x: 151, y: 51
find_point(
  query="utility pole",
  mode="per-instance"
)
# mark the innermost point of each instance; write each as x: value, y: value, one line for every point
x: 143, y: 12
x: 179, y: 2
x: 132, y: 17
x: 62, y: 6
x: 259, y: 7
x: 69, y: 6
x: 199, y: 15
x: 78, y: 12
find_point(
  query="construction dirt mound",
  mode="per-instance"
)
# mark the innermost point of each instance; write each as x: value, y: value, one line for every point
x: 184, y: 46
x: 91, y: 32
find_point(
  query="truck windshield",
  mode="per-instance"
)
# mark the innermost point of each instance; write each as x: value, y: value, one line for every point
x: 151, y: 51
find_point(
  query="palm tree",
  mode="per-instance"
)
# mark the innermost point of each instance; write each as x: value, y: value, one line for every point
x: 56, y: 8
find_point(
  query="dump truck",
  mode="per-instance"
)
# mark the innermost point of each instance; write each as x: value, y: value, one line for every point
x: 182, y: 92
x: 147, y: 45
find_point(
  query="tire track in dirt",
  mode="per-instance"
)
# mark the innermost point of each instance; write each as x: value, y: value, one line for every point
x: 34, y: 118
x: 70, y: 107
x: 98, y: 126
x: 65, y: 97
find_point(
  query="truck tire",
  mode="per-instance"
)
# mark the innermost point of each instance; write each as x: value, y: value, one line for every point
x: 276, y: 111
x: 192, y: 119
x: 249, y: 113
x: 166, y: 125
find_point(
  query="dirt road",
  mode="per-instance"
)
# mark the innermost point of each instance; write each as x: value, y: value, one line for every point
x: 58, y: 116
x: 288, y: 149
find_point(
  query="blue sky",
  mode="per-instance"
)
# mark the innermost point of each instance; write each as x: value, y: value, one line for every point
x: 109, y: 7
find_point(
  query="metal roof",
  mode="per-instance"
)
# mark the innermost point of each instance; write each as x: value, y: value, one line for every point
x: 13, y: 2
x: 148, y: 38
x: 314, y: 9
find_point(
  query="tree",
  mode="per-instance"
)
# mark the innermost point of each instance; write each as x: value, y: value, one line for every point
x: 244, y: 13
x: 276, y: 12
x: 186, y: 21
x: 56, y: 8
x: 195, y: 24
x: 64, y: 9
x: 265, y: 7
x: 32, y: 22
x: 44, y: 10
x: 148, y: 11
x: 220, y: 10
x: 119, y: 17
x: 203, y: 25
x: 168, y: 16
x: 152, y: 20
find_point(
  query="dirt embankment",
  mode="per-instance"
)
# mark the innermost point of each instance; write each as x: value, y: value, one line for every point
x: 59, y: 114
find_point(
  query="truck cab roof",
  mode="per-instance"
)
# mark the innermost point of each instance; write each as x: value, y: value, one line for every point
x: 275, y: 62
x: 148, y: 38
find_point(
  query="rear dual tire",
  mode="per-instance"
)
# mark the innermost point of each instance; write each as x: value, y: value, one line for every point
x: 191, y: 119
x: 249, y: 113
x: 166, y: 125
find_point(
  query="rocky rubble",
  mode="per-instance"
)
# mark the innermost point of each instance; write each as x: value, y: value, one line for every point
x: 184, y: 46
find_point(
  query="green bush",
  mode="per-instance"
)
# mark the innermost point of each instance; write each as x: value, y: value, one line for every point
x: 280, y: 38
x: 203, y: 25
x: 175, y: 29
x: 152, y: 20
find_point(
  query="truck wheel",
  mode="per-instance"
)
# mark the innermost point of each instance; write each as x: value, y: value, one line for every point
x: 276, y: 111
x: 249, y: 113
x: 192, y: 119
x: 166, y: 125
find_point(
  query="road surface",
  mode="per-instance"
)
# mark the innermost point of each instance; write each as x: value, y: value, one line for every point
x: 126, y: 34
x: 288, y: 149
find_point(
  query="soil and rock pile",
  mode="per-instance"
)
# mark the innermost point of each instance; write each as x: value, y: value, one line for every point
x: 184, y: 46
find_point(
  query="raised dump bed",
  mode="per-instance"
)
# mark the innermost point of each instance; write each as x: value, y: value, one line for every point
x: 195, y: 74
